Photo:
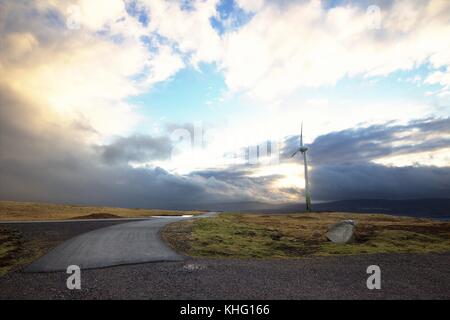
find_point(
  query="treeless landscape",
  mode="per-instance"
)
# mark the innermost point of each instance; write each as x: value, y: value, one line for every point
x: 32, y: 211
x: 303, y: 235
x: 16, y: 250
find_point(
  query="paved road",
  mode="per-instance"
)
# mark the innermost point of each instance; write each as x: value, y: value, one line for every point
x: 126, y: 243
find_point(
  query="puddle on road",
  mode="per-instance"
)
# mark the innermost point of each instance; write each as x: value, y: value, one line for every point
x: 168, y: 217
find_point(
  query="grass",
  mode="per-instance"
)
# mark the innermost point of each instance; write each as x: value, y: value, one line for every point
x: 16, y: 252
x: 9, y: 245
x: 29, y: 211
x: 303, y: 235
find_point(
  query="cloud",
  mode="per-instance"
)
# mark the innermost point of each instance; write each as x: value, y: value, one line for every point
x: 379, y: 141
x: 238, y: 180
x: 371, y: 181
x: 67, y: 130
x: 63, y: 95
x: 365, y: 144
x: 250, y: 5
x: 136, y: 148
x: 43, y: 161
x: 307, y: 44
x: 85, y: 73
x: 344, y: 164
x: 163, y: 65
x: 439, y: 77
x: 188, y: 28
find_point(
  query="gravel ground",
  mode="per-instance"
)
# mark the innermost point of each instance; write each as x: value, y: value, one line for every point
x: 404, y: 276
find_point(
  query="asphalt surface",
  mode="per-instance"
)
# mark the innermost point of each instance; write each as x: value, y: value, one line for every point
x: 57, y: 232
x: 124, y: 243
x: 403, y: 276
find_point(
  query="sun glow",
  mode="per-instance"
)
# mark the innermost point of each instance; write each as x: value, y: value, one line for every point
x: 291, y: 175
x: 439, y: 158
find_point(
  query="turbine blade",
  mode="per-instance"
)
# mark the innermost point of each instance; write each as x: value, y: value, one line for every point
x: 294, y: 153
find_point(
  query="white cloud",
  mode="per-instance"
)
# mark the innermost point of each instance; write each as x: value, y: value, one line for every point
x: 250, y: 5
x: 439, y: 158
x: 99, y: 14
x: 84, y: 73
x: 164, y: 65
x: 305, y: 45
x: 439, y: 77
x: 189, y: 30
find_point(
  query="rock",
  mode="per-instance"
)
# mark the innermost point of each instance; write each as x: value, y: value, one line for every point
x: 342, y: 232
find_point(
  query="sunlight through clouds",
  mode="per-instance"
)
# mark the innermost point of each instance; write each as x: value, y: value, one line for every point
x: 85, y: 83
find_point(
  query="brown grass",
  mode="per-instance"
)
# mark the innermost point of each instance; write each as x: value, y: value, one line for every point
x: 16, y: 252
x: 30, y: 211
x: 300, y: 235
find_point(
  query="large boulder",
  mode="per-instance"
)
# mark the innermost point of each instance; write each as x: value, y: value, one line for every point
x: 342, y: 232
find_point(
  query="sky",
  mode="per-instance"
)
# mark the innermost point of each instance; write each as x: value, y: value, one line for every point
x: 152, y: 103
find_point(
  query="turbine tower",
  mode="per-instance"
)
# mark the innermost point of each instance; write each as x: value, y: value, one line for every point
x: 303, y: 150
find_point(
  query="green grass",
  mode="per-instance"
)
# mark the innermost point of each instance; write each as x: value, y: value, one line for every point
x: 301, y: 235
x: 391, y: 241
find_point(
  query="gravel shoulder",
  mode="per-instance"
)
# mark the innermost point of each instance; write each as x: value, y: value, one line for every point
x: 404, y: 276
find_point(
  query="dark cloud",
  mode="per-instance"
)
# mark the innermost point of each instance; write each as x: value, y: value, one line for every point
x: 366, y: 144
x: 137, y: 148
x: 250, y: 188
x: 42, y: 160
x: 342, y: 166
x: 371, y: 181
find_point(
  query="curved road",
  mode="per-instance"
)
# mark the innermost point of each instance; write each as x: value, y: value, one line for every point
x: 127, y: 243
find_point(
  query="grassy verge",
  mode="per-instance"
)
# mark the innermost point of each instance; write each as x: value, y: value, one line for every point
x: 300, y: 235
x: 16, y: 252
x: 21, y: 211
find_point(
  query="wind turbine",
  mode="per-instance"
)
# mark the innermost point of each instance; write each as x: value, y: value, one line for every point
x: 303, y: 150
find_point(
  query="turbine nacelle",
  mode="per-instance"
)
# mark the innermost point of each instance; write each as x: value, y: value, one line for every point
x: 303, y: 149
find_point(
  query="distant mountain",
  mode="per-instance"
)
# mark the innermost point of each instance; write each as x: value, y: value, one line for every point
x: 436, y: 208
x: 430, y: 208
x: 227, y: 206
